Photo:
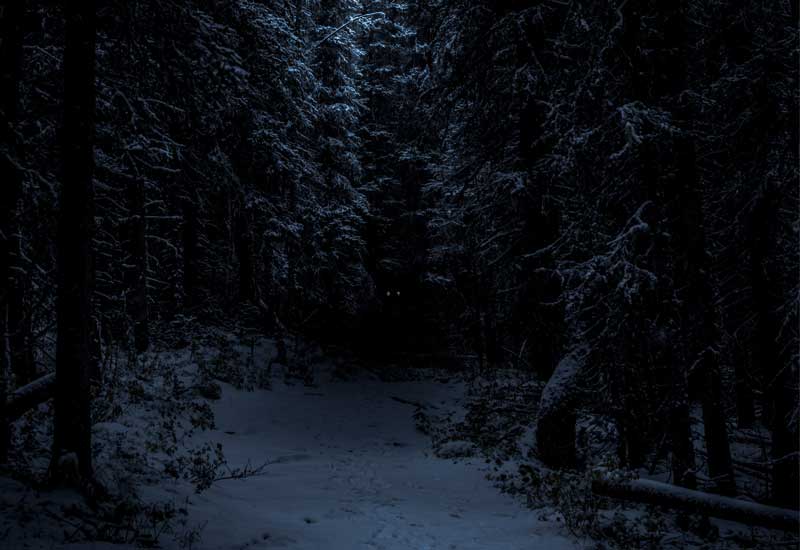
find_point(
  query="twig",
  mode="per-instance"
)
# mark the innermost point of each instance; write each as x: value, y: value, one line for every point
x: 342, y: 27
x: 416, y: 404
x: 248, y: 471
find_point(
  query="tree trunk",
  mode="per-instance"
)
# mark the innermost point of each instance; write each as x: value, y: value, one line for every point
x: 19, y: 324
x: 700, y: 328
x: 488, y: 322
x: 745, y: 399
x: 541, y: 314
x: 136, y: 273
x: 11, y: 13
x: 74, y: 355
x: 720, y: 464
x: 555, y: 426
x: 5, y: 432
x: 244, y: 252
x: 678, y: 415
x: 779, y: 380
x: 189, y: 237
x: 683, y: 459
x: 555, y: 436
x: 693, y: 268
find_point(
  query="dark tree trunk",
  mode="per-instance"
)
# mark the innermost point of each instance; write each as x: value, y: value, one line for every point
x: 136, y: 271
x: 189, y: 237
x: 20, y: 331
x: 557, y: 416
x: 632, y: 444
x: 678, y: 417
x: 11, y: 12
x: 5, y: 433
x: 541, y: 315
x: 244, y: 252
x: 700, y: 328
x: 745, y: 399
x: 683, y: 459
x: 720, y: 465
x: 693, y: 267
x: 555, y: 434
x: 784, y: 451
x: 74, y: 348
x: 683, y: 465
x: 488, y: 328
x: 779, y: 381
x: 633, y: 423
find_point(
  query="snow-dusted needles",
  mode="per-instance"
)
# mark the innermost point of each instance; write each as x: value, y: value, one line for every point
x: 344, y: 26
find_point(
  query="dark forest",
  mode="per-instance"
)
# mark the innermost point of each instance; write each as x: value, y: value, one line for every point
x: 399, y: 274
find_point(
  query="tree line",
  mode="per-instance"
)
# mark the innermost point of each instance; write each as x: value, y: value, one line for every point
x: 614, y: 205
x: 166, y: 163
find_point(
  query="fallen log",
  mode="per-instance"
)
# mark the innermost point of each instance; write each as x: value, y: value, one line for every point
x: 29, y: 396
x: 647, y: 491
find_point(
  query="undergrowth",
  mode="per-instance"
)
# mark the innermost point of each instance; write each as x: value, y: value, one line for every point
x: 147, y: 410
x: 496, y: 425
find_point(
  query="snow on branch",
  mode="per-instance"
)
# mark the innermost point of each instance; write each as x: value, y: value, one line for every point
x: 648, y: 491
x: 29, y: 396
x: 342, y: 27
x: 561, y: 387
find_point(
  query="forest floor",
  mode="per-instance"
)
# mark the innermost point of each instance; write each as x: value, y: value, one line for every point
x: 326, y: 457
x: 351, y: 471
x: 214, y: 446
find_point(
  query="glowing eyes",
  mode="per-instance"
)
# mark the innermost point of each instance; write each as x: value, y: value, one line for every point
x: 389, y: 293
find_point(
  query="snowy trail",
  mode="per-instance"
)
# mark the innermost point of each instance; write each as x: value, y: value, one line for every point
x: 353, y: 474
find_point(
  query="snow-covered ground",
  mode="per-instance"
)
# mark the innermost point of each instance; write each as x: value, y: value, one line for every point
x: 352, y: 472
x: 347, y: 466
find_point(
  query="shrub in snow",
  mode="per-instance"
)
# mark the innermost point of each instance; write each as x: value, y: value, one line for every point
x: 457, y: 449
